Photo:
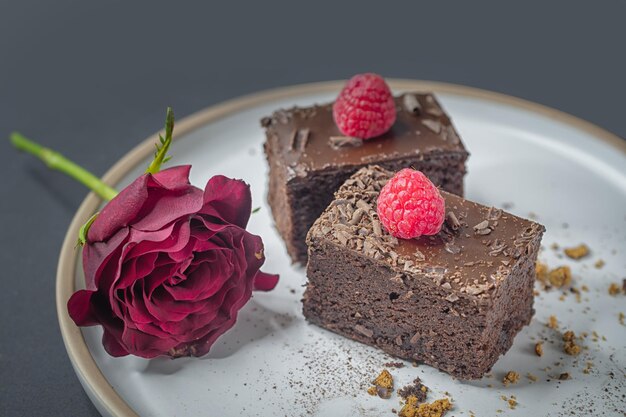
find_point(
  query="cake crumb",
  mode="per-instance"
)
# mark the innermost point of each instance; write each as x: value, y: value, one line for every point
x: 599, y: 264
x: 614, y: 289
x: 437, y: 408
x: 621, y: 317
x: 560, y: 277
x: 570, y: 347
x: 564, y: 376
x: 553, y: 322
x: 394, y: 365
x: 511, y: 377
x: 532, y: 377
x: 577, y: 252
x: 416, y: 389
x: 512, y: 403
x: 554, y: 246
x: 383, y: 385
x: 539, y: 348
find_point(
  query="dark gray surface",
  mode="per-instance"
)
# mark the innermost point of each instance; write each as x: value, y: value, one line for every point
x: 92, y: 79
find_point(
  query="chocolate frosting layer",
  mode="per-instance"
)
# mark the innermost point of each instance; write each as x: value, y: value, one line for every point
x: 470, y: 257
x: 309, y: 140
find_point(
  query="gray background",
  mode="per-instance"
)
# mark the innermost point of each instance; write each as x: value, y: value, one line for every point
x: 92, y: 79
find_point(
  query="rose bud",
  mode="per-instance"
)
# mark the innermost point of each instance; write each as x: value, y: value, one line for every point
x: 167, y: 265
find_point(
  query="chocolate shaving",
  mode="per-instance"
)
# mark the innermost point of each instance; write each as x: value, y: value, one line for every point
x: 338, y: 142
x: 452, y: 221
x: 478, y: 289
x: 497, y: 247
x: 433, y: 125
x: 266, y: 121
x: 378, y: 231
x: 303, y: 138
x: 356, y: 216
x: 482, y: 228
x: 434, y: 111
x: 452, y: 248
x: 411, y: 104
x: 452, y: 298
x: 299, y: 139
x: 494, y: 213
x: 363, y: 330
x: 362, y: 204
x: 281, y: 116
x: 419, y: 256
x: 448, y: 133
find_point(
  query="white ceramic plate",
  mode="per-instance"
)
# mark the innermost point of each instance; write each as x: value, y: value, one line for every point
x: 566, y: 172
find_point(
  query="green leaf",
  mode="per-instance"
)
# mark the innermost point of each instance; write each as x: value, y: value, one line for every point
x: 160, y: 157
x: 256, y: 210
x: 84, y: 229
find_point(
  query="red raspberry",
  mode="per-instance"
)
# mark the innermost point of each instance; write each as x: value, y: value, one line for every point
x: 409, y: 205
x: 365, y: 107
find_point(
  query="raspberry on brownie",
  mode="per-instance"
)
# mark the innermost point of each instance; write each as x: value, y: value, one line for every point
x: 365, y: 108
x: 410, y: 205
x: 310, y: 156
x: 454, y: 300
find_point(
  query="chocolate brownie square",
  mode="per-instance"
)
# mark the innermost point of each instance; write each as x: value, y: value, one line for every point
x: 309, y: 158
x: 454, y: 300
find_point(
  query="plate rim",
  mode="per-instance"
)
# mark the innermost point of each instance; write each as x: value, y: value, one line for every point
x: 91, y: 377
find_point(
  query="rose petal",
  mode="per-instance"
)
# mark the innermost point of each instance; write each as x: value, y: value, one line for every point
x: 112, y: 345
x: 174, y: 178
x: 97, y: 255
x: 228, y: 199
x: 128, y: 204
x: 120, y: 211
x: 170, y: 239
x: 79, y: 308
x: 145, y: 345
x: 265, y: 282
x: 161, y: 209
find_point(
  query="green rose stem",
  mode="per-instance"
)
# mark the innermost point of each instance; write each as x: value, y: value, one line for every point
x: 55, y: 160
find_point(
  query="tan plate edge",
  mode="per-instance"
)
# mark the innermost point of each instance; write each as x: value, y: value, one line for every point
x: 77, y: 350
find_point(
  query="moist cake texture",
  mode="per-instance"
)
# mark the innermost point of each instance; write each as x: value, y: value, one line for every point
x: 454, y: 301
x: 309, y: 158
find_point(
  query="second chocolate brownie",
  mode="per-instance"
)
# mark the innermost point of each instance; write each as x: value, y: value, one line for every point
x: 309, y: 158
x: 454, y: 300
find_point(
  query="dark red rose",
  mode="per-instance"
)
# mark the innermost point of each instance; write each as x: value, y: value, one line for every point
x: 168, y: 266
